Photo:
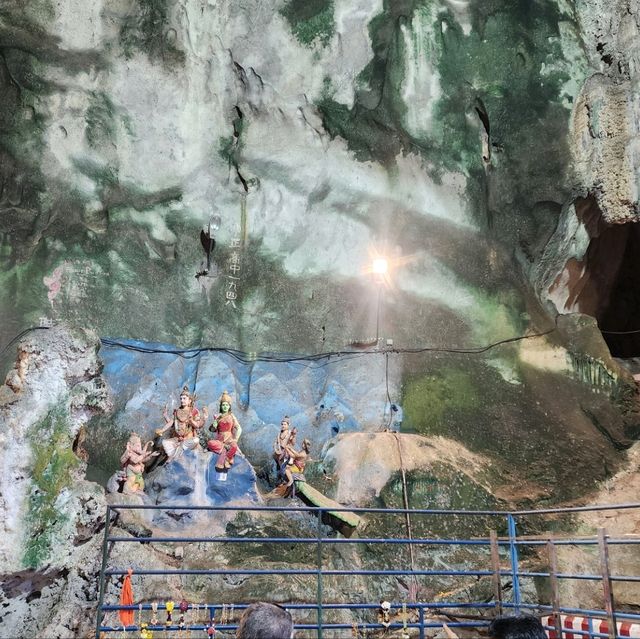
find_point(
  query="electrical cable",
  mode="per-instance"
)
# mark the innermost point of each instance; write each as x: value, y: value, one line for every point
x: 413, y: 591
x: 20, y: 335
x: 386, y: 381
x: 247, y: 357
x: 620, y: 332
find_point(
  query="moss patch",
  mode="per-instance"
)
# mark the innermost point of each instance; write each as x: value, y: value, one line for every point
x: 310, y: 20
x: 442, y: 487
x: 430, y: 400
x: 53, y: 465
x: 536, y: 434
x: 510, y: 68
x: 100, y: 119
x: 146, y: 29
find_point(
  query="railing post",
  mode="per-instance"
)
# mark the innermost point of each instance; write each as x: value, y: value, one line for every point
x: 319, y: 574
x: 513, y: 553
x: 421, y: 620
x: 553, y: 577
x: 609, y: 605
x: 495, y: 563
x: 105, y: 552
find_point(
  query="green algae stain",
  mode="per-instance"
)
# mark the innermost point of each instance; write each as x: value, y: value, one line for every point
x: 226, y: 148
x: 99, y: 117
x: 506, y: 62
x: 23, y: 123
x: 500, y: 62
x: 439, y: 487
x: 230, y: 146
x: 429, y: 401
x: 52, y: 472
x: 310, y: 20
x: 146, y: 29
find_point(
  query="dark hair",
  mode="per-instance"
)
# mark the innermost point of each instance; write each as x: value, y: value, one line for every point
x: 521, y: 627
x: 265, y: 621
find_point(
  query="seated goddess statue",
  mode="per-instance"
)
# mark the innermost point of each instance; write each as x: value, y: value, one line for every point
x: 132, y: 461
x: 227, y: 433
x: 185, y: 422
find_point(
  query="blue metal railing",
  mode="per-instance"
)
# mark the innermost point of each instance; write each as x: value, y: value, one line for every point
x: 422, y: 616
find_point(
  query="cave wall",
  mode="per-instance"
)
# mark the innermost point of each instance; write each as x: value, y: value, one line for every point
x: 438, y: 133
x: 482, y: 146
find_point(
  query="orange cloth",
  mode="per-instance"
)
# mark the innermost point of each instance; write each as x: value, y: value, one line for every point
x: 126, y: 599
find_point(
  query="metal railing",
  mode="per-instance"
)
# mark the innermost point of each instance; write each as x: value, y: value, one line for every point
x: 500, y: 556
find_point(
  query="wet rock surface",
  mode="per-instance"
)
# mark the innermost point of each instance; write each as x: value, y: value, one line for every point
x: 193, y: 480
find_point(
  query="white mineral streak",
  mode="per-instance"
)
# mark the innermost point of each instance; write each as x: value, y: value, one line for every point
x: 460, y: 9
x: 421, y: 86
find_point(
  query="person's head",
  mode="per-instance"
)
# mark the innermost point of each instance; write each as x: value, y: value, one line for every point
x: 284, y: 424
x: 225, y: 402
x: 265, y: 621
x: 306, y: 445
x: 519, y: 627
x: 185, y: 397
x: 135, y: 443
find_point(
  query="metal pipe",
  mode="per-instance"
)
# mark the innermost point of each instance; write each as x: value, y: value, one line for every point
x: 579, y: 611
x: 319, y: 577
x: 585, y: 577
x: 513, y: 554
x: 103, y: 567
x: 305, y: 540
x: 328, y: 606
x: 313, y: 571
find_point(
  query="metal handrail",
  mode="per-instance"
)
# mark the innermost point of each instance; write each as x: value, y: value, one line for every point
x: 511, y: 544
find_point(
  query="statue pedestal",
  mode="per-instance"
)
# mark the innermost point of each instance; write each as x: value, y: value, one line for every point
x: 192, y: 480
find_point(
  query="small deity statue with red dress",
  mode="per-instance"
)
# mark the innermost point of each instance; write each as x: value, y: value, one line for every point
x: 185, y: 421
x: 227, y: 433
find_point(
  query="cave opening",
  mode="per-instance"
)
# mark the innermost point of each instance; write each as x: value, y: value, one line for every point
x: 621, y: 316
x: 606, y: 283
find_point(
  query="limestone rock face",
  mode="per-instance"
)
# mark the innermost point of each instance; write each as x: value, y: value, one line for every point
x: 606, y: 122
x: 50, y: 513
x: 307, y: 138
x: 43, y: 425
x: 364, y: 464
x: 605, y: 137
x: 484, y: 148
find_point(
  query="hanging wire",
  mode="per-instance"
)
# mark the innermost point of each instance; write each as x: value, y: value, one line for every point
x: 249, y: 357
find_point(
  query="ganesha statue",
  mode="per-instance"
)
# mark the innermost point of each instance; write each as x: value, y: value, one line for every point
x: 133, y: 462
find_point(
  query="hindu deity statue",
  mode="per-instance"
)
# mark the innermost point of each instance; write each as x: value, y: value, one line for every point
x: 185, y: 423
x: 291, y: 469
x: 132, y: 461
x: 297, y: 462
x: 227, y: 433
x: 285, y: 439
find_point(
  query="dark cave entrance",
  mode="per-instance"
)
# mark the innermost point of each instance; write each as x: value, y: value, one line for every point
x: 606, y: 284
x: 622, y: 313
